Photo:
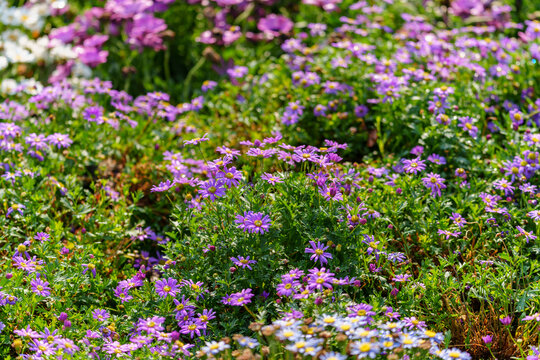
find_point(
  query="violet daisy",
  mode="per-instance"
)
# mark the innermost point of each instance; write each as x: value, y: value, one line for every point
x: 167, y: 287
x: 318, y: 251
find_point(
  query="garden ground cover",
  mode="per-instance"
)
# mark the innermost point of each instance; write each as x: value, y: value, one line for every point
x: 325, y: 180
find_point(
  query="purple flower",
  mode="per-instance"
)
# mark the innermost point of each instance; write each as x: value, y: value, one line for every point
x: 90, y: 267
x: 196, y: 141
x: 535, y: 317
x: 458, y: 220
x: 273, y: 25
x: 434, y: 182
x: 151, y: 325
x: 59, y: 140
x: 257, y: 223
x: 230, y: 177
x: 193, y: 328
x: 243, y: 262
x: 487, y: 339
x: 413, y: 166
x: 528, y: 235
x: 436, y: 159
x: 505, y: 186
x: 15, y: 207
x: 466, y: 123
x: 318, y: 251
x: 237, y: 72
x: 93, y: 114
x: 208, y: 85
x: 414, y: 323
x: 318, y: 279
x: 271, y: 179
x: 507, y: 320
x: 448, y: 233
x: 41, y: 236
x: 100, y: 315
x: 167, y: 287
x: 401, y: 278
x: 40, y: 287
x: 212, y: 189
x: 241, y: 298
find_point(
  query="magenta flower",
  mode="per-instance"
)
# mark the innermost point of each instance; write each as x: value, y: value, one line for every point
x: 152, y: 325
x: 401, y: 278
x: 40, y: 287
x: 59, y: 140
x: 274, y: 25
x: 413, y: 166
x: 318, y: 251
x: 271, y: 179
x: 434, y: 182
x: 241, y: 298
x: 243, y: 262
x: 196, y: 141
x: 487, y: 339
x: 167, y: 287
x: 507, y: 320
x: 100, y: 314
x: 535, y: 317
x: 257, y: 223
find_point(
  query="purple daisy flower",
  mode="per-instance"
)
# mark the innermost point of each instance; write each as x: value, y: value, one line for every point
x: 243, y: 262
x: 257, y: 223
x: 212, y: 189
x: 100, y: 315
x: 434, y: 182
x: 413, y: 166
x: 230, y: 177
x: 167, y: 287
x: 318, y: 251
x: 40, y: 287
x: 196, y: 141
x: 90, y: 267
x: 271, y: 179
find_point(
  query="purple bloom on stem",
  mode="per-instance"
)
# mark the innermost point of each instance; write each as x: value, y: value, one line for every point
x: 434, y: 182
x: 100, y: 314
x: 401, y: 278
x: 466, y: 123
x: 318, y: 251
x: 487, y: 339
x: 40, y: 287
x: 212, y: 189
x: 528, y: 235
x: 167, y: 287
x: 230, y: 177
x: 257, y: 223
x: 272, y: 179
x: 243, y: 262
x: 507, y: 320
x: 15, y: 207
x: 413, y: 166
x: 41, y: 236
x: 241, y: 298
x: 505, y: 186
x: 273, y: 25
x: 90, y: 267
x: 59, y: 140
x: 196, y: 140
